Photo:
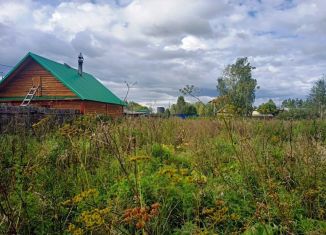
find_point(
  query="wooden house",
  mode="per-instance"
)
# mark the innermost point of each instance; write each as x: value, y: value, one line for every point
x: 38, y: 81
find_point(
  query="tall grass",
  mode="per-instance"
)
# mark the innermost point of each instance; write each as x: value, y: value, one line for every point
x: 165, y: 176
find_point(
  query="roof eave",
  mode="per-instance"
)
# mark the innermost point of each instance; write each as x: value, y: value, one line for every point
x: 12, y: 70
x: 122, y: 103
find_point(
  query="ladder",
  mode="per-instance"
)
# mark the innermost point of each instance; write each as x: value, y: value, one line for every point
x: 28, y: 98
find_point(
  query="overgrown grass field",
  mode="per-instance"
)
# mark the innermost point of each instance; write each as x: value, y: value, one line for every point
x: 165, y: 176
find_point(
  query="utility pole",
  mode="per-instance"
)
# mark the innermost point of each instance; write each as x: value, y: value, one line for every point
x: 129, y: 86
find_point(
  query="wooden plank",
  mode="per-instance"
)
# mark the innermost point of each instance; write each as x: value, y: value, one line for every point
x: 85, y: 107
x: 32, y: 73
x: 92, y: 107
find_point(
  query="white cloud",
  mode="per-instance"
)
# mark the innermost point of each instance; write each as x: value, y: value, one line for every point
x: 191, y: 43
x: 70, y: 18
x: 164, y: 45
x: 12, y: 11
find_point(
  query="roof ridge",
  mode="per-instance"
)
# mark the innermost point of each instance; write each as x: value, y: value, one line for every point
x: 33, y: 54
x: 70, y: 67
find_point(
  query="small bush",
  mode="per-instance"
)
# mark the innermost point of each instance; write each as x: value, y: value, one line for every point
x: 161, y: 151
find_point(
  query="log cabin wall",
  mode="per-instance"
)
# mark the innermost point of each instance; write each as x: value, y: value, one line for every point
x: 85, y: 107
x: 114, y: 110
x: 21, y: 82
x: 91, y: 107
x: 94, y: 107
x: 54, y: 104
x: 68, y: 104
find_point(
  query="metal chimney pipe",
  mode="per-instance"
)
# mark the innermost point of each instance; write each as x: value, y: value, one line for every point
x: 80, y: 64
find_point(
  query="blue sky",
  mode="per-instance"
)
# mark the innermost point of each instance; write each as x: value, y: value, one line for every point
x: 165, y: 45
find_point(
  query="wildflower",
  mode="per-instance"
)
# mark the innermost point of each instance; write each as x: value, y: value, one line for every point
x: 80, y: 197
x: 234, y: 217
x: 41, y: 122
x: 94, y: 217
x: 219, y: 203
x: 139, y: 216
x: 138, y: 158
x: 275, y: 139
x: 67, y: 202
x: 184, y: 171
x: 140, y: 224
x: 208, y: 211
x: 197, y: 178
x: 75, y: 230
x: 155, y: 205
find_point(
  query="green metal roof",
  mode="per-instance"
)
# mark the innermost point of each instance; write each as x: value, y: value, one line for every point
x: 86, y: 87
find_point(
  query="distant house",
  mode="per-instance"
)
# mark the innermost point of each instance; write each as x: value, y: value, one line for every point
x: 257, y: 114
x: 141, y: 113
x: 38, y: 81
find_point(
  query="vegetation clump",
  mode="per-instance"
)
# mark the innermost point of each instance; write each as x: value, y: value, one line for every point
x: 165, y: 176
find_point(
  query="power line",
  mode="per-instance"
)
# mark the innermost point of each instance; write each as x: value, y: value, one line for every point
x: 5, y: 65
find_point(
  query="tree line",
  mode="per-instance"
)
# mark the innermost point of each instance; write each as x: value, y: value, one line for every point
x: 236, y: 90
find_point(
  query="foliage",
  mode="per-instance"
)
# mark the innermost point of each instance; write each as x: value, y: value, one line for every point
x: 165, y: 176
x: 293, y: 103
x: 133, y: 106
x: 268, y: 107
x: 183, y: 107
x: 317, y: 96
x: 238, y: 86
x: 298, y: 114
x: 219, y: 103
x: 192, y: 91
x: 161, y: 151
x: 167, y: 113
x: 206, y: 110
x: 318, y: 92
x: 314, y: 106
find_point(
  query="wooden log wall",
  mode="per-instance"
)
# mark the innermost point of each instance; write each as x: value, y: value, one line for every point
x: 54, y: 104
x: 114, y: 110
x: 91, y: 107
x: 66, y: 104
x: 32, y: 73
x: 84, y: 107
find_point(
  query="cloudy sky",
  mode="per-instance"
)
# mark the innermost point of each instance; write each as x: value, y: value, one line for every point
x: 165, y: 44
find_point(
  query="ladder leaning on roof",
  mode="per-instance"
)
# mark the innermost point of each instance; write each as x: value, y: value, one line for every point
x: 30, y: 95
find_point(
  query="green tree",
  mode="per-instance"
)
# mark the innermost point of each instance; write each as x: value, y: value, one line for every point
x: 167, y: 113
x: 317, y: 96
x: 191, y: 109
x: 182, y: 107
x: 298, y: 109
x: 201, y: 108
x: 237, y: 84
x: 268, y: 107
x: 293, y: 103
x: 204, y: 109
